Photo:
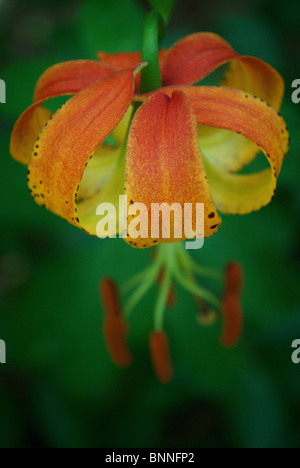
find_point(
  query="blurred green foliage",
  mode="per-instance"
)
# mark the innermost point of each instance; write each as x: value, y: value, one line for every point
x: 164, y: 7
x: 59, y: 388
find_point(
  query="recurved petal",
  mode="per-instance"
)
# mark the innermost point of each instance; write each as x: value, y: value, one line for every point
x: 226, y: 149
x: 121, y: 131
x: 121, y: 60
x: 67, y: 143
x: 70, y: 78
x: 26, y: 131
x: 194, y: 57
x: 255, y: 77
x: 124, y: 60
x: 62, y: 79
x: 164, y: 165
x: 103, y: 182
x: 237, y: 111
x: 98, y: 173
x: 257, y: 121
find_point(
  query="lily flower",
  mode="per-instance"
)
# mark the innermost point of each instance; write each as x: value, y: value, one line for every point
x: 185, y: 143
x: 180, y: 143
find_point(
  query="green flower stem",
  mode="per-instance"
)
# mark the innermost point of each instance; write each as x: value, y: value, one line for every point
x: 176, y: 265
x: 140, y: 292
x: 134, y: 281
x: 146, y: 280
x: 187, y: 281
x: 162, y: 300
x: 189, y: 264
x: 150, y: 76
x: 197, y: 290
x: 164, y: 7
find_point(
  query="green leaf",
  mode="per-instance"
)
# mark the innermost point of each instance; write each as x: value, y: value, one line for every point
x: 164, y: 7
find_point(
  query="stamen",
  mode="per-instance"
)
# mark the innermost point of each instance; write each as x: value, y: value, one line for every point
x: 171, y: 299
x: 195, y: 289
x: 232, y: 321
x: 110, y: 297
x: 206, y: 315
x: 160, y: 356
x: 234, y: 279
x: 114, y: 328
x: 162, y: 299
x: 115, y: 334
x: 144, y: 282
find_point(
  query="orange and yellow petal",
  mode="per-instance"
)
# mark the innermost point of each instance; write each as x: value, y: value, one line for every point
x: 98, y: 172
x: 102, y: 183
x: 70, y: 78
x: 255, y: 120
x: 121, y: 131
x: 124, y: 60
x: 197, y: 55
x: 164, y: 165
x: 226, y: 149
x: 256, y: 77
x: 194, y: 57
x: 120, y: 60
x: 26, y: 131
x: 62, y: 79
x: 67, y: 143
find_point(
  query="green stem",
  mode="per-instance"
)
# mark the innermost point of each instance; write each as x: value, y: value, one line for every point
x: 190, y: 264
x: 194, y: 288
x: 147, y: 280
x: 162, y: 300
x: 150, y: 76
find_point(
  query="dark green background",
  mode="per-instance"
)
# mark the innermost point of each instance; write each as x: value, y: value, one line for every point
x: 59, y: 389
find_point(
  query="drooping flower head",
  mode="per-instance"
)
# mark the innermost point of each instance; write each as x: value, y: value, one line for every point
x: 180, y: 143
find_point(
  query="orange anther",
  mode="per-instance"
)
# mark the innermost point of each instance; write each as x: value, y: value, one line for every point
x: 110, y: 297
x: 160, y: 356
x: 232, y: 321
x: 114, y: 328
x: 115, y: 334
x: 234, y: 279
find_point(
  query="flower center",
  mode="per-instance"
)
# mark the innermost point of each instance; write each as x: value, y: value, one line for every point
x: 171, y: 264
